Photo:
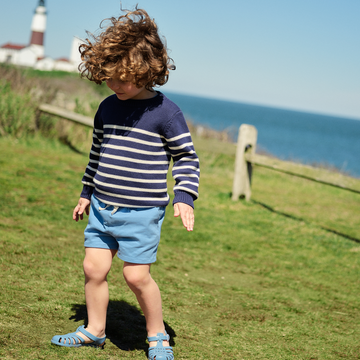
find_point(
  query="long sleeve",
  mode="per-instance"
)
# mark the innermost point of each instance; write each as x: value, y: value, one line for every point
x: 88, y: 178
x: 186, y: 169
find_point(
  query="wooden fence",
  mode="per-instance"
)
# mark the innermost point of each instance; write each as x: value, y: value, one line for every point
x: 246, y: 157
x: 66, y: 114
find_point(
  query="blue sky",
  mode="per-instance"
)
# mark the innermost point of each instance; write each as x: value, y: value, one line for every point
x: 296, y: 54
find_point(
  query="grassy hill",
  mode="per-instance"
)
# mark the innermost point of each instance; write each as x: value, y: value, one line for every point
x: 273, y: 278
x: 257, y: 280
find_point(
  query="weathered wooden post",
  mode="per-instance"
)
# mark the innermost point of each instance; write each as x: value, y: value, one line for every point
x: 243, y: 169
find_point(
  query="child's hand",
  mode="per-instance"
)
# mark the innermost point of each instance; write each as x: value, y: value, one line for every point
x: 83, y: 205
x: 186, y: 213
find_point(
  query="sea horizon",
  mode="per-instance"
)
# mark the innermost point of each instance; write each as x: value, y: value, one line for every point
x: 295, y: 135
x: 314, y: 112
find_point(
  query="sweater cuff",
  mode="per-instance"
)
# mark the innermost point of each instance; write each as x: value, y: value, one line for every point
x: 183, y: 197
x: 87, y: 192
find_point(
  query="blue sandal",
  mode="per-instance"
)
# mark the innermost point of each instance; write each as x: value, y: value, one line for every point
x: 160, y: 352
x: 73, y: 340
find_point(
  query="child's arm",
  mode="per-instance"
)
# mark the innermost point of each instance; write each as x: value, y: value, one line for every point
x: 186, y: 213
x: 94, y: 156
x: 185, y: 171
x: 83, y: 205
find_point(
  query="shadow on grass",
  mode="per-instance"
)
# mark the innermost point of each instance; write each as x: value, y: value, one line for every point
x: 125, y: 325
x: 267, y: 207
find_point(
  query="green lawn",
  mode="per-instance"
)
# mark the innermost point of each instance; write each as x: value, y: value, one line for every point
x: 266, y: 279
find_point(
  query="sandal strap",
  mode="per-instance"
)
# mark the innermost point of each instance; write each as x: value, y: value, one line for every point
x: 89, y: 335
x: 160, y: 352
x: 73, y: 337
x: 159, y: 337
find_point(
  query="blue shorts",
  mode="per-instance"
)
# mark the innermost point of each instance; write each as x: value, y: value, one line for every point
x: 134, y: 232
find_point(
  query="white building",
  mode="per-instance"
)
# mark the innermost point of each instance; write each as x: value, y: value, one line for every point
x: 33, y: 55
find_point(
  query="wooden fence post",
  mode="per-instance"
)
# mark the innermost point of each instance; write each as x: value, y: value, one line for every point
x: 243, y: 169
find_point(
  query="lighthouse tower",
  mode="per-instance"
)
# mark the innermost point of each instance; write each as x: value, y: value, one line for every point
x: 38, y: 27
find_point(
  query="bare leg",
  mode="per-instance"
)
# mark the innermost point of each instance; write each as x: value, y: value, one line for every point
x: 148, y: 295
x: 97, y: 264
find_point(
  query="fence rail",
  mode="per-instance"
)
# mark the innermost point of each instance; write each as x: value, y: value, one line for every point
x: 246, y: 158
x: 66, y: 114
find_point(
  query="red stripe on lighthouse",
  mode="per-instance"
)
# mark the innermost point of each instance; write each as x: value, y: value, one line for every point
x: 37, y: 38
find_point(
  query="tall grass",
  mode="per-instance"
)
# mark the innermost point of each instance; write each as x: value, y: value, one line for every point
x: 17, y: 112
x: 19, y: 99
x: 21, y: 92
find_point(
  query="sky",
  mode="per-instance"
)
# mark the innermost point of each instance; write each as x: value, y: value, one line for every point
x: 293, y: 54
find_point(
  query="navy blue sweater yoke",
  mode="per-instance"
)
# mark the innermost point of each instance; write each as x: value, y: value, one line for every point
x: 133, y: 144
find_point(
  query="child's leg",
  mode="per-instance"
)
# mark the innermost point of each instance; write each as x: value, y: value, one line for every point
x: 97, y: 264
x: 148, y: 295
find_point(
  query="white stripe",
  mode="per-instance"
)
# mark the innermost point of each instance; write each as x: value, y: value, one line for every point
x: 187, y: 182
x: 186, y: 167
x: 189, y: 159
x: 133, y: 197
x: 141, y: 171
x: 185, y: 152
x: 96, y: 137
x: 144, y: 190
x: 128, y: 128
x: 94, y: 153
x: 185, y: 175
x: 127, y: 138
x: 124, y: 178
x: 87, y: 183
x: 89, y: 176
x: 137, y: 151
x: 186, y: 189
x: 178, y: 137
x: 181, y: 146
x: 90, y: 168
x: 132, y: 160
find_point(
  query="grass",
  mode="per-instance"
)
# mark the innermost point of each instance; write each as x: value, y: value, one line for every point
x: 267, y: 279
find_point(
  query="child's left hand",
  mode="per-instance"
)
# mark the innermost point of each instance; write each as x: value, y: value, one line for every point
x: 186, y: 213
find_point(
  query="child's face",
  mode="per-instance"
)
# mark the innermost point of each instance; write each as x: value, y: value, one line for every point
x: 128, y: 90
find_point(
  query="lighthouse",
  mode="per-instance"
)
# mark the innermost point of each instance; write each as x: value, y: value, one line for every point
x: 32, y: 55
x: 38, y: 27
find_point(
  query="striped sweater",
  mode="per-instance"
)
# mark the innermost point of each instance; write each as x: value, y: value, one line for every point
x: 133, y: 144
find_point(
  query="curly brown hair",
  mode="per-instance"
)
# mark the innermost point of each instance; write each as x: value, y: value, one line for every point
x: 130, y: 49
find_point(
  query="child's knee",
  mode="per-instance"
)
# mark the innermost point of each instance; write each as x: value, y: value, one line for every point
x: 94, y: 270
x: 136, y: 279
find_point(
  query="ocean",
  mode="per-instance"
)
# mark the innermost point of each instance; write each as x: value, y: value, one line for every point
x: 308, y: 138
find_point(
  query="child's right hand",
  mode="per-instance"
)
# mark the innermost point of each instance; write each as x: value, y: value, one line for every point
x: 83, y: 205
